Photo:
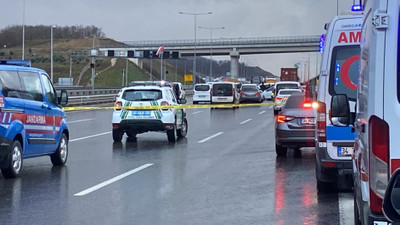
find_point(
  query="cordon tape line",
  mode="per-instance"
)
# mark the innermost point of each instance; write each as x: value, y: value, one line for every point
x: 197, y: 106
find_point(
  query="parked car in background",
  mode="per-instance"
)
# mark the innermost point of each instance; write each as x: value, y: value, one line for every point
x: 224, y: 92
x: 250, y: 93
x: 179, y: 91
x: 201, y: 93
x: 285, y: 85
x: 281, y: 97
x: 268, y: 93
x: 295, y: 124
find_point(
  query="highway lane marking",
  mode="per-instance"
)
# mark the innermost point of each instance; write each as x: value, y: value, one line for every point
x: 83, y: 120
x: 90, y: 136
x: 246, y: 121
x: 112, y: 180
x: 197, y: 112
x: 262, y: 112
x: 211, y: 137
x: 346, y: 208
x: 271, y: 107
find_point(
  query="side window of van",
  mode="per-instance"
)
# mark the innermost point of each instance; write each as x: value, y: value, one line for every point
x: 31, y: 86
x: 10, y: 84
x: 344, y: 71
x: 49, y: 90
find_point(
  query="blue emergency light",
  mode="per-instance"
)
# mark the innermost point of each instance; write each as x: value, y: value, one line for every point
x: 15, y: 62
x: 355, y: 8
x: 321, y: 43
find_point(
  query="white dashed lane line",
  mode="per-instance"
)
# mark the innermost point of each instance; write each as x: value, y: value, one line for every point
x: 197, y: 112
x: 78, y: 121
x: 262, y: 112
x: 90, y: 136
x: 112, y: 180
x: 211, y: 137
x: 246, y: 121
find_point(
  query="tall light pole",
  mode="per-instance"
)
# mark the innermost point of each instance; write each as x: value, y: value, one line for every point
x: 51, y: 52
x: 195, y: 46
x: 23, y: 31
x: 211, y: 45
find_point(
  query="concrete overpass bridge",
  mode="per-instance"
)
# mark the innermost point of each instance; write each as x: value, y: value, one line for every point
x: 233, y: 47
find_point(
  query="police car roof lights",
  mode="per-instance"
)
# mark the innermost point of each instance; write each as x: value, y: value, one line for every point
x: 356, y: 8
x: 321, y: 43
x: 15, y: 62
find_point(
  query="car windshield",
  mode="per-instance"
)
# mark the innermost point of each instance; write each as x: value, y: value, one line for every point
x: 249, y: 88
x: 142, y: 95
x: 202, y: 88
x: 295, y: 101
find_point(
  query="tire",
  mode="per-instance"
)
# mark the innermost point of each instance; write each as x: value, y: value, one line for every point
x: 131, y: 134
x: 194, y: 103
x: 280, y: 151
x: 59, y: 158
x: 117, y: 135
x: 172, y: 134
x: 15, y: 161
x: 183, y: 131
x: 323, y: 186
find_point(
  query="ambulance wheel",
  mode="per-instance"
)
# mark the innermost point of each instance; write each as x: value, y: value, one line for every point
x: 183, y: 131
x: 59, y: 158
x: 117, y: 135
x: 15, y: 161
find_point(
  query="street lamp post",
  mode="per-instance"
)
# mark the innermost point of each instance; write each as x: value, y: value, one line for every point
x: 211, y: 44
x: 195, y: 46
x: 51, y: 52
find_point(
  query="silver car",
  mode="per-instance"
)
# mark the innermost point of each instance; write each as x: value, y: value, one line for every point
x: 295, y: 124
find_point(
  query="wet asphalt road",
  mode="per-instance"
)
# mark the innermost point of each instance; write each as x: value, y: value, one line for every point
x: 232, y: 178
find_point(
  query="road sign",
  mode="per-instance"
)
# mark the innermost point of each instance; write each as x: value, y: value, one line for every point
x: 188, y: 77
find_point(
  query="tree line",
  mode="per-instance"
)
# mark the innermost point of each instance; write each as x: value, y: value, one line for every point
x: 11, y: 36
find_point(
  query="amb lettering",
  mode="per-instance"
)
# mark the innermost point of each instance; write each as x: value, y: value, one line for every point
x: 350, y: 37
x: 35, y: 119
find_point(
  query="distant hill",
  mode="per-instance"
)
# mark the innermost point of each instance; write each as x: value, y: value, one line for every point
x: 78, y: 38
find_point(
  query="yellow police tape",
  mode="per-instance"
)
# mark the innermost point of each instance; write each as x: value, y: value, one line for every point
x: 197, y: 106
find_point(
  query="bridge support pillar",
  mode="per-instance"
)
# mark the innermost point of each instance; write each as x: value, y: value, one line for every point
x: 140, y: 63
x: 234, y: 63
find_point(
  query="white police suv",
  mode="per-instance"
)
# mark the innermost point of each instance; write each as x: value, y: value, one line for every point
x: 32, y: 122
x: 136, y: 121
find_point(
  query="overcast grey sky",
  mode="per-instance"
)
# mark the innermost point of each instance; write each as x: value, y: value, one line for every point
x: 126, y: 20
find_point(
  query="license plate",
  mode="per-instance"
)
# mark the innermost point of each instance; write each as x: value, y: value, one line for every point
x: 308, y: 121
x: 222, y: 98
x: 141, y: 113
x: 202, y: 96
x: 345, y: 151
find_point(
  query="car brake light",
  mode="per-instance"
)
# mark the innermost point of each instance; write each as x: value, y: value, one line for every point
x: 284, y: 118
x: 242, y: 93
x: 258, y: 94
x: 378, y: 161
x: 118, y: 105
x: 278, y: 98
x: 321, y: 122
x: 164, y: 103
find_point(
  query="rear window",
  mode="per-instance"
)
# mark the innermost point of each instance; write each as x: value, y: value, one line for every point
x: 142, y: 95
x: 202, y: 88
x: 222, y: 90
x: 295, y: 101
x: 249, y: 88
x: 287, y: 92
x: 344, y: 71
x: 10, y: 84
x: 286, y: 86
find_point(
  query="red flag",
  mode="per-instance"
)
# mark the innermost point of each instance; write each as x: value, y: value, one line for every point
x: 160, y: 50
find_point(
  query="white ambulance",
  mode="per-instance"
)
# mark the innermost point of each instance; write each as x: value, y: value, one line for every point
x: 338, y: 75
x: 376, y: 150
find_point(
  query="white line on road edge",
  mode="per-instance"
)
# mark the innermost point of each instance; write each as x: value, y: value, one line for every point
x: 262, y: 112
x: 90, y: 136
x: 246, y: 121
x: 197, y: 112
x: 77, y: 121
x: 346, y: 208
x: 211, y: 137
x: 112, y: 180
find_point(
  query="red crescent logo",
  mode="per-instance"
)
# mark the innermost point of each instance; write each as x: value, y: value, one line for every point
x: 344, y: 73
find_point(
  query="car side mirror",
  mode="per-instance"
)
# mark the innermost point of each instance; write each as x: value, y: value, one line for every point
x: 340, y: 111
x: 391, y: 200
x: 63, y: 98
x: 182, y: 101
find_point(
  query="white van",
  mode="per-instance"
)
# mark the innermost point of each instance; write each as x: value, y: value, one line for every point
x: 376, y: 149
x: 225, y: 92
x: 338, y: 75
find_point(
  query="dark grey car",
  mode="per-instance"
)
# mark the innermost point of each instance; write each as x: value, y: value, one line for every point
x: 295, y: 124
